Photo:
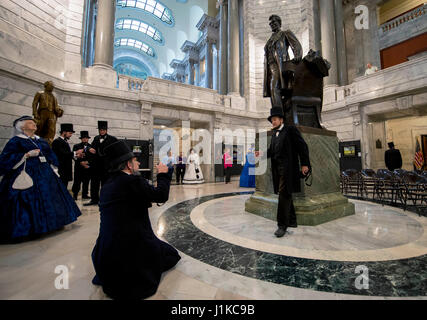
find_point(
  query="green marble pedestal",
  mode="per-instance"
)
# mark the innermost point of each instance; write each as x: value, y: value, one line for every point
x: 320, y: 203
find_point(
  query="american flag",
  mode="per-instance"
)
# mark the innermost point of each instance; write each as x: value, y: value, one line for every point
x: 419, y: 159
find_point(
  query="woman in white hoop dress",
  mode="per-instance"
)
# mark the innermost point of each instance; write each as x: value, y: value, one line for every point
x: 193, y: 173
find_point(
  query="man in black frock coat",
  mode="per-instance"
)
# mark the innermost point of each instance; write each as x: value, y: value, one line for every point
x: 393, y: 158
x: 64, y: 154
x: 287, y: 145
x: 128, y: 257
x: 98, y: 164
x: 81, y: 167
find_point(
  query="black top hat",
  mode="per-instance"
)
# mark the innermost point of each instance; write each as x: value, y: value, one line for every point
x: 67, y: 127
x: 117, y: 153
x: 276, y: 112
x: 23, y: 118
x: 84, y: 134
x: 391, y: 144
x: 103, y: 125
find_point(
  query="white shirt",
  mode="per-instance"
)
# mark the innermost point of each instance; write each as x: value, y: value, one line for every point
x: 371, y: 70
x: 280, y: 129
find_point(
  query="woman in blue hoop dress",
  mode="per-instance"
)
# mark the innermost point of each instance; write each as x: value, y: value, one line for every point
x: 31, y: 210
x: 247, y: 177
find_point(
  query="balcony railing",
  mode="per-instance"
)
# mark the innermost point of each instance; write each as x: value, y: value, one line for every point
x: 409, y: 16
x: 130, y: 83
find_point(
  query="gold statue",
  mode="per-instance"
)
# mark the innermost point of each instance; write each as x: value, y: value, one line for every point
x: 45, y: 111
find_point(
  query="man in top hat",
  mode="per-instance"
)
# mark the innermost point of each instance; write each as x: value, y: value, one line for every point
x: 287, y: 145
x: 128, y: 257
x: 64, y: 154
x: 393, y: 158
x: 97, y: 161
x: 81, y: 167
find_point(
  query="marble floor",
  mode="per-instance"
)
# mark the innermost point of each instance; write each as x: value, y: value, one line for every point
x: 229, y: 254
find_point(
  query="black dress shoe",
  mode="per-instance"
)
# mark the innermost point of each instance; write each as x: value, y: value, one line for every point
x: 280, y: 232
x: 92, y: 203
x: 85, y: 197
x: 293, y: 225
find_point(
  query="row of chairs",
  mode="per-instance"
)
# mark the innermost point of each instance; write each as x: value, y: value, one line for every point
x: 395, y: 187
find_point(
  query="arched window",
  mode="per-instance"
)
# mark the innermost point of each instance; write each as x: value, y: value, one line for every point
x: 151, y: 6
x: 135, y: 44
x: 132, y: 24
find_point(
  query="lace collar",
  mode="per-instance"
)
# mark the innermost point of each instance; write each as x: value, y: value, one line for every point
x: 23, y: 136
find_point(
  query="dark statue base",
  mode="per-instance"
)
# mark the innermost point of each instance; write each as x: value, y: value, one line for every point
x: 320, y: 203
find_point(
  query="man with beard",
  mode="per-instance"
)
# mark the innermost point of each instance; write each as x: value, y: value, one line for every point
x: 81, y: 167
x: 289, y: 160
x: 64, y: 154
x: 98, y: 164
x: 128, y: 257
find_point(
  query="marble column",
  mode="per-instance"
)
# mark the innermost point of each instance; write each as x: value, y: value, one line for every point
x: 104, y: 44
x: 197, y: 74
x: 233, y: 48
x: 209, y: 65
x: 371, y: 36
x: 341, y: 44
x: 191, y: 72
x: 223, y: 56
x: 146, y: 121
x: 316, y: 23
x: 328, y: 39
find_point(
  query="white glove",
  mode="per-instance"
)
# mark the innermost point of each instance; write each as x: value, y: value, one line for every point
x: 55, y: 169
x: 33, y: 153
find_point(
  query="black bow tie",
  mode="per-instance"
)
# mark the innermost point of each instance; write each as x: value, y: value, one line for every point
x: 103, y: 137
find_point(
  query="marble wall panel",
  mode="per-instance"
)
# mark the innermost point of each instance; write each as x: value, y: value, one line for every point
x: 15, y: 19
x: 30, y: 51
x: 15, y: 109
x: 40, y: 33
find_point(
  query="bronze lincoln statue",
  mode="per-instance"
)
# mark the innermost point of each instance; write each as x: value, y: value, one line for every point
x: 45, y: 111
x: 279, y: 69
x: 295, y: 85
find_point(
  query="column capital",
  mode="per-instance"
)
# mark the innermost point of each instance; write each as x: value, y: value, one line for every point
x: 145, y: 105
x: 404, y: 103
x: 354, y: 109
x: 356, y: 119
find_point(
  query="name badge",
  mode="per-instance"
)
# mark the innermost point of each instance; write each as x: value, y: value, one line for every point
x: 42, y: 159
